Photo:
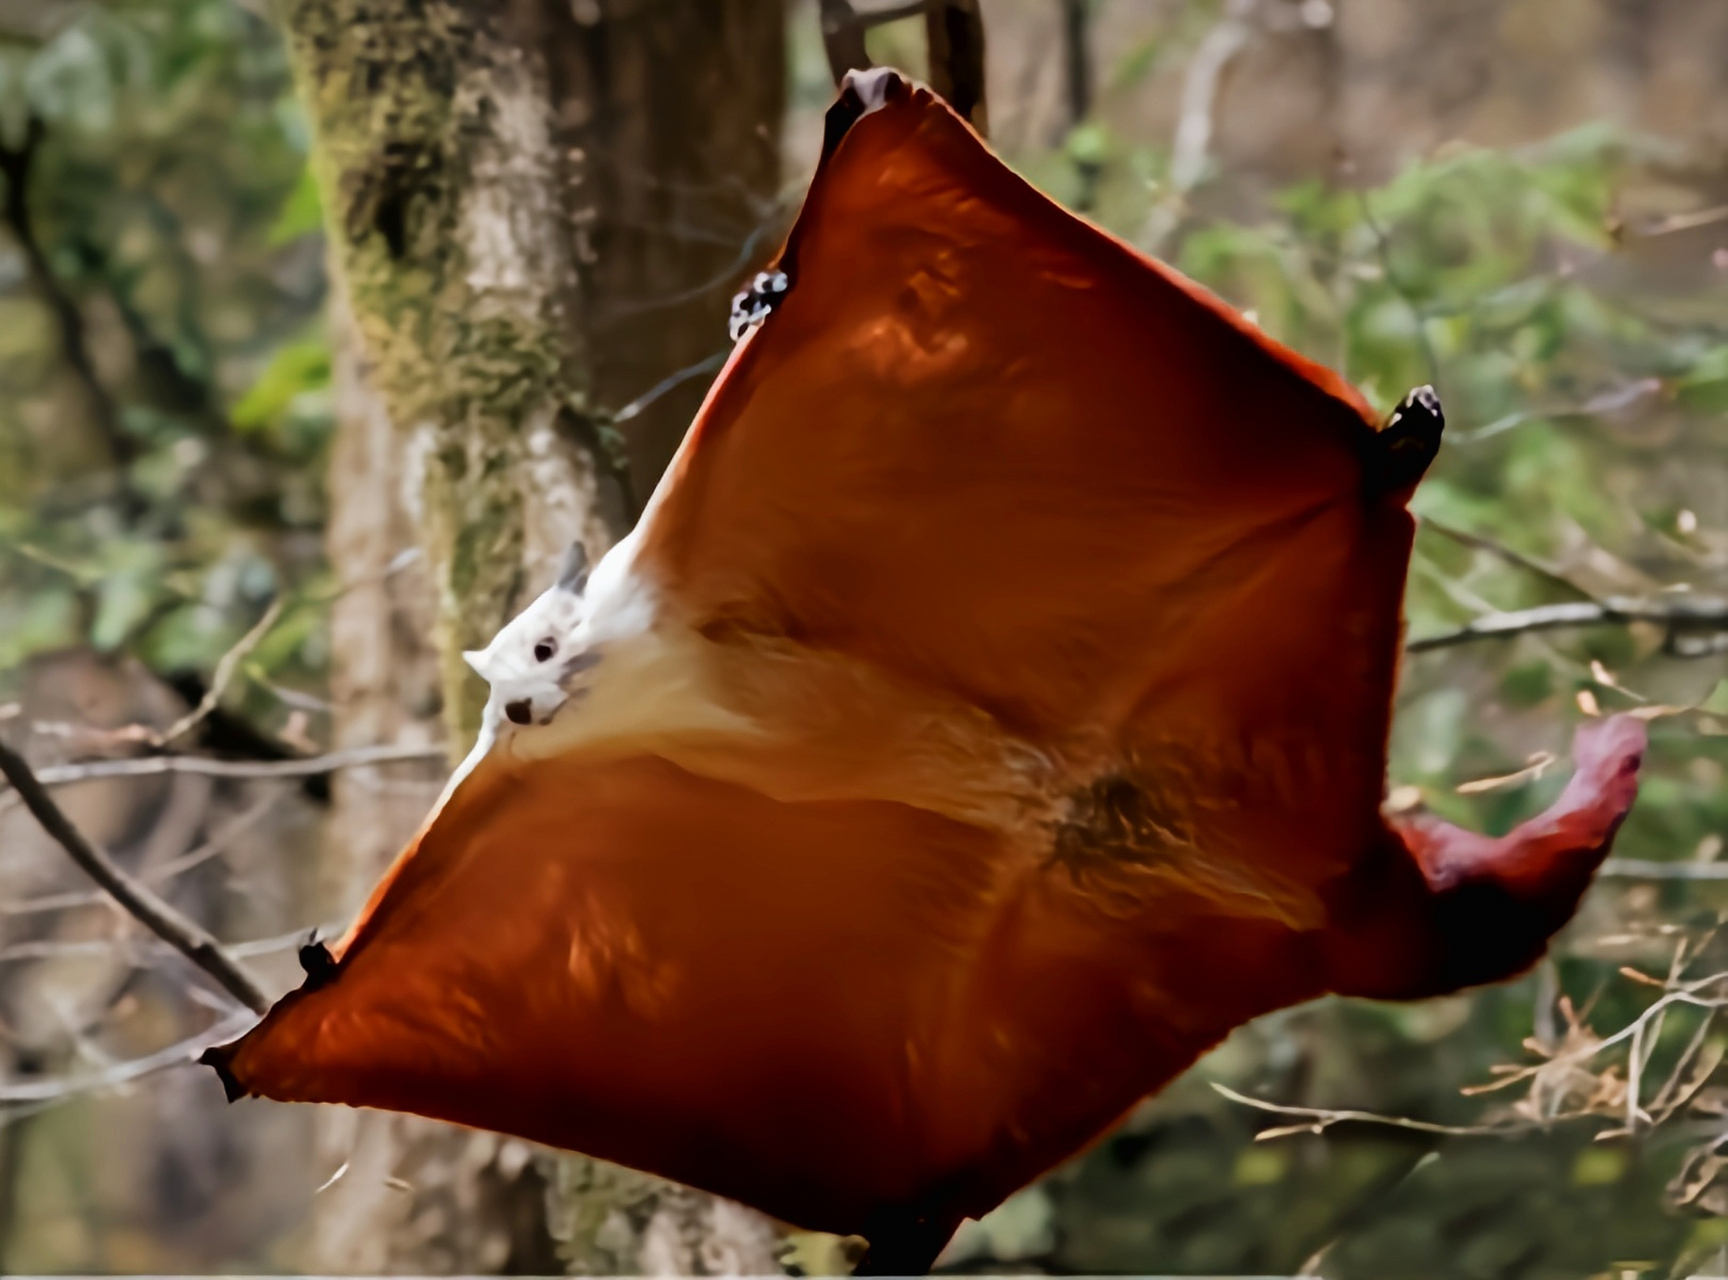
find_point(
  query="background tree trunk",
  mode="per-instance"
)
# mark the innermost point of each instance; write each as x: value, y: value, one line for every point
x: 537, y: 212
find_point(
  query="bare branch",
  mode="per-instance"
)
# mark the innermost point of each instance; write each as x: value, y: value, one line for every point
x: 1319, y: 1119
x: 843, y: 38
x: 51, y: 948
x: 1202, y: 88
x: 843, y: 28
x: 891, y: 13
x: 284, y: 941
x: 1518, y: 559
x: 1646, y: 869
x: 42, y: 1092
x: 223, y: 674
x: 1636, y: 1036
x: 1676, y: 993
x: 668, y: 383
x: 1614, y: 400
x: 1683, y: 222
x: 1077, y: 60
x: 308, y: 767
x: 152, y: 875
x: 16, y: 164
x: 954, y: 36
x: 748, y: 252
x: 1679, y: 612
x: 182, y: 933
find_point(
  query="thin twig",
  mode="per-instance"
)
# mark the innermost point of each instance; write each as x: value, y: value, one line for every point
x: 307, y: 767
x: 283, y: 941
x: 55, y: 949
x: 1685, y: 994
x: 179, y: 931
x: 1480, y: 542
x: 1319, y: 1119
x: 1201, y: 89
x: 747, y: 253
x: 891, y: 13
x: 151, y: 875
x: 1643, y: 869
x: 842, y: 38
x: 1077, y: 60
x: 706, y: 365
x: 1611, y: 401
x: 1617, y: 610
x: 295, y: 699
x: 1685, y: 1080
x: 16, y: 164
x: 1383, y: 250
x: 26, y: 1092
x: 1683, y: 222
x: 224, y: 672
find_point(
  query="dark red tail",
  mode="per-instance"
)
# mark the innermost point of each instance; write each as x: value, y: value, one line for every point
x: 1448, y: 908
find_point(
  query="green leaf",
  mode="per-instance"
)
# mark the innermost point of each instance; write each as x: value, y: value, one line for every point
x: 1088, y: 143
x: 302, y: 212
x: 297, y: 369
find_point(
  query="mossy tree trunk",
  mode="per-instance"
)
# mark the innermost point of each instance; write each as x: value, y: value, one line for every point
x: 445, y: 200
x: 537, y: 210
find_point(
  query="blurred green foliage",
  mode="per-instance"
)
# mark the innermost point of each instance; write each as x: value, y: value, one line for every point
x: 165, y: 183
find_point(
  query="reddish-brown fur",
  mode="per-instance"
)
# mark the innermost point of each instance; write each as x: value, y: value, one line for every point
x: 1067, y: 620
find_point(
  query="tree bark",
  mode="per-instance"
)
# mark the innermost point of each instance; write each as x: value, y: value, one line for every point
x: 537, y: 211
x: 669, y: 117
x: 443, y: 200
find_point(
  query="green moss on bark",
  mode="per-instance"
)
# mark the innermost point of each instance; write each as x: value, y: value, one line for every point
x: 426, y: 125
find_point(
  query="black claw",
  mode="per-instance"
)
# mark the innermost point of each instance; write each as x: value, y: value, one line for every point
x: 1400, y: 452
x: 845, y: 111
x: 319, y: 964
x: 859, y: 90
x: 216, y: 1058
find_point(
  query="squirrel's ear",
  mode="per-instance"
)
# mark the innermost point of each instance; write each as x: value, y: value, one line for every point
x: 476, y: 658
x: 573, y: 569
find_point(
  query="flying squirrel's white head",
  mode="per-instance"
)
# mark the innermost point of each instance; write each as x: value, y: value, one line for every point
x: 530, y: 663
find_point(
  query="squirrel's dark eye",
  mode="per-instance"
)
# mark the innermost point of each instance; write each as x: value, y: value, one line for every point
x: 544, y: 650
